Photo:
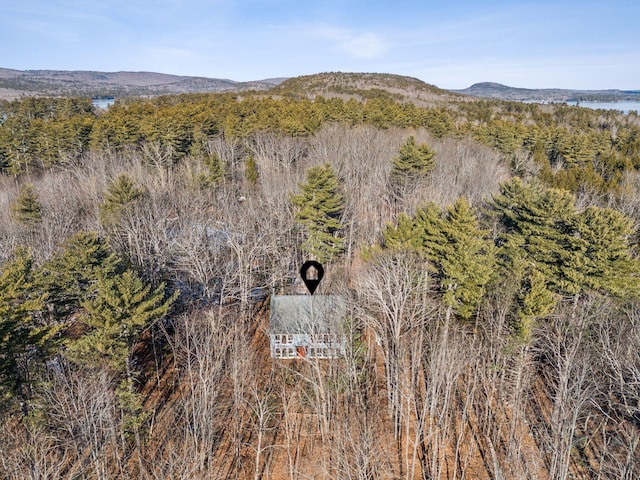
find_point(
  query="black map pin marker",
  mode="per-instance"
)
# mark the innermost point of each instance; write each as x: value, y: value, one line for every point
x: 311, y: 283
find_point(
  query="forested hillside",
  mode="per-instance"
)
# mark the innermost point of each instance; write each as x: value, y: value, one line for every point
x: 20, y: 83
x: 486, y: 250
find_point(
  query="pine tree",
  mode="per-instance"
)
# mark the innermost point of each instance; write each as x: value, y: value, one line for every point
x: 603, y: 252
x: 402, y: 236
x: 471, y: 260
x: 20, y: 337
x: 121, y: 194
x: 413, y: 159
x: 575, y: 251
x: 213, y: 173
x: 71, y: 275
x: 538, y: 224
x: 318, y: 210
x: 533, y: 300
x: 122, y: 307
x: 413, y: 162
x: 428, y: 225
x: 462, y: 254
x: 27, y: 208
x: 251, y: 170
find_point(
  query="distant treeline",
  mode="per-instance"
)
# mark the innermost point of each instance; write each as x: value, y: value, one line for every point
x: 571, y: 147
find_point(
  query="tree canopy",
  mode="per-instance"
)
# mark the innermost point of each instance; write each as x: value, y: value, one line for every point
x: 319, y: 206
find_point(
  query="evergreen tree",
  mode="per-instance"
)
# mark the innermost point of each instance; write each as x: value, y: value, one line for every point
x: 20, y: 337
x: 121, y: 194
x: 251, y: 170
x: 71, y: 275
x: 532, y: 299
x: 318, y: 210
x: 603, y: 254
x: 213, y: 173
x: 462, y: 254
x: 538, y: 225
x: 121, y: 308
x: 413, y: 162
x: 428, y: 229
x: 413, y: 159
x: 27, y: 208
x: 575, y: 251
x: 402, y: 236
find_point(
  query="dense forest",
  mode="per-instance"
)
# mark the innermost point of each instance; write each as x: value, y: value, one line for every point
x: 487, y: 252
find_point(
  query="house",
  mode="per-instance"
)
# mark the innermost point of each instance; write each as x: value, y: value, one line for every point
x: 308, y: 326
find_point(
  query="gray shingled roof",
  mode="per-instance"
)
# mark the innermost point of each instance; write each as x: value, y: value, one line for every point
x: 295, y: 314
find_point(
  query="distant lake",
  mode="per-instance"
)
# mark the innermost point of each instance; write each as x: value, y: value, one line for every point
x: 625, y: 106
x: 103, y: 102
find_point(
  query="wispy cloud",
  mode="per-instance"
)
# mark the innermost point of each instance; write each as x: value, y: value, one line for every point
x: 365, y: 45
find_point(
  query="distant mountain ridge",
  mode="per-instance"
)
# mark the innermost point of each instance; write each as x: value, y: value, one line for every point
x: 16, y: 83
x: 19, y: 83
x: 503, y: 92
x: 361, y: 86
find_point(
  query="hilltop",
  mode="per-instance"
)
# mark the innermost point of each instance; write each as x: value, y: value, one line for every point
x: 363, y: 86
x: 503, y: 92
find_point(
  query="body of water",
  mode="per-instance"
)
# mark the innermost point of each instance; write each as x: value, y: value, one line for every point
x: 103, y: 102
x: 624, y: 106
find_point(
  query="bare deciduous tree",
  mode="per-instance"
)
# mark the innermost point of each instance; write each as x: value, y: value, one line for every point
x: 82, y: 414
x: 394, y: 290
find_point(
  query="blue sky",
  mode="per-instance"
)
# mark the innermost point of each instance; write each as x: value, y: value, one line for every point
x: 451, y: 44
